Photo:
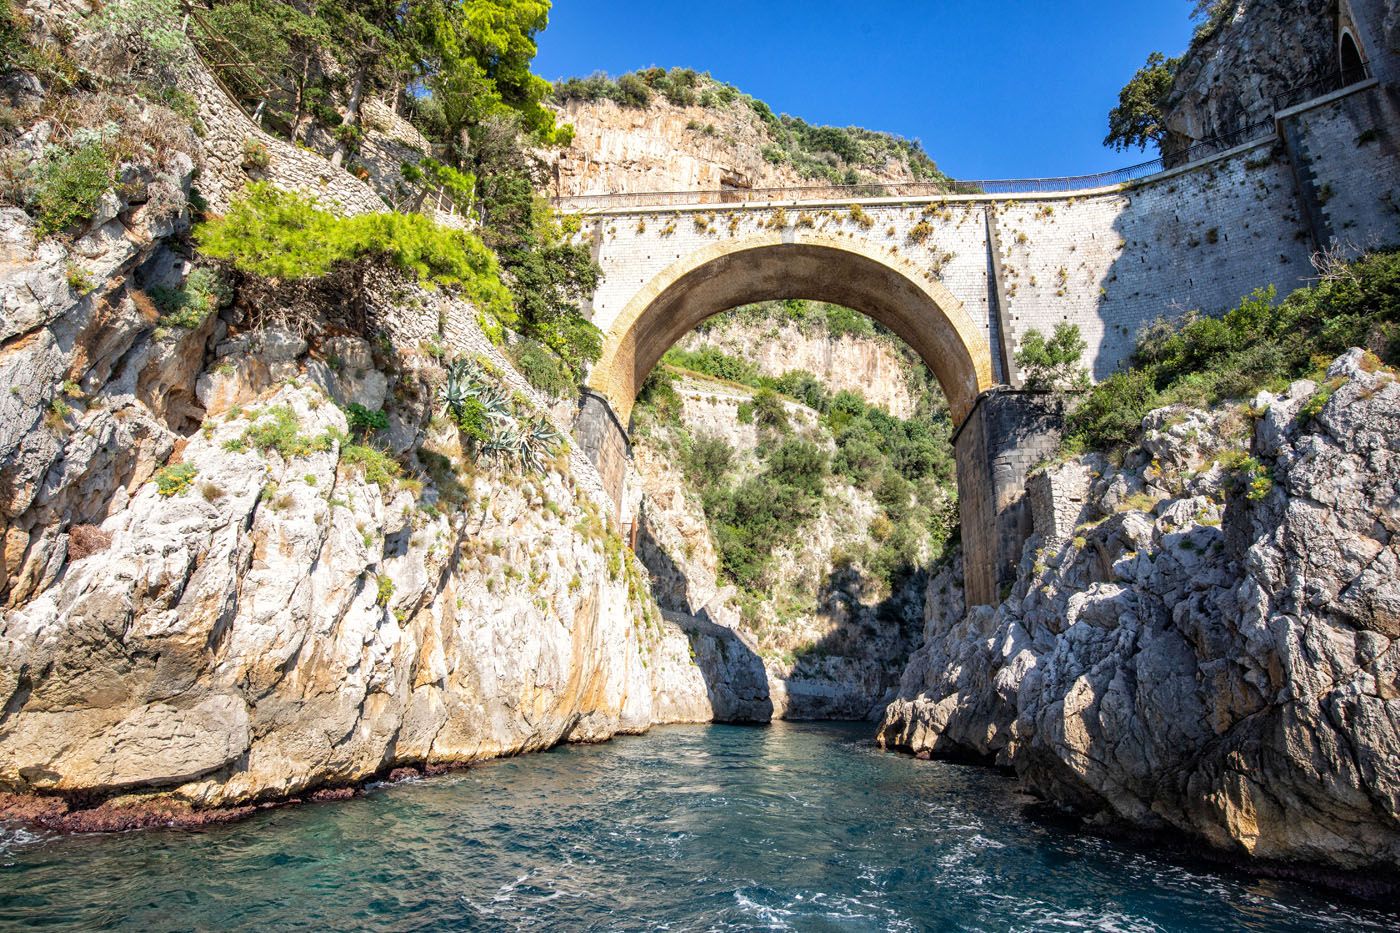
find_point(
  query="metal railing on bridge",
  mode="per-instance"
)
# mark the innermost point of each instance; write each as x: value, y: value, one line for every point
x: 1172, y: 157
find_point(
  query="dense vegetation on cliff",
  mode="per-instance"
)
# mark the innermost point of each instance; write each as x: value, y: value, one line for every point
x: 906, y: 463
x: 459, y: 72
x: 1263, y: 343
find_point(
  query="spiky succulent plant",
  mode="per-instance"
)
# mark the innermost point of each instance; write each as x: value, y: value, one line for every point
x: 486, y: 415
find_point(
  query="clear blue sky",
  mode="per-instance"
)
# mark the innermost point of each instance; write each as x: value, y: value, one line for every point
x: 993, y: 89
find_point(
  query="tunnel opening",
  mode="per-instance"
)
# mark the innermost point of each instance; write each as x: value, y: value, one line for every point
x: 1353, y: 66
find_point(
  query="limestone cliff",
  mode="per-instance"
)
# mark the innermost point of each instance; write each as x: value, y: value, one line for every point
x: 1199, y: 641
x: 832, y: 640
x: 706, y: 142
x: 880, y: 368
x: 246, y: 557
x: 215, y: 591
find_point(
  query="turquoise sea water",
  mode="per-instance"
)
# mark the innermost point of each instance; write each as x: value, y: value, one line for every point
x: 795, y: 826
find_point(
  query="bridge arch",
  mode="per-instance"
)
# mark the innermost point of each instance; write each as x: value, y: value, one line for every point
x: 794, y: 263
x: 999, y: 435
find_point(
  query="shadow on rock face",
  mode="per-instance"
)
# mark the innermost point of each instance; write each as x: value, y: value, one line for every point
x: 735, y: 679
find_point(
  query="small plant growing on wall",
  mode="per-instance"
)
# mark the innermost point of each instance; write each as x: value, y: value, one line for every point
x: 364, y: 421
x: 256, y: 157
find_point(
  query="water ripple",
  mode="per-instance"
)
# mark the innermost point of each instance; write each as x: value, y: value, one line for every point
x: 795, y: 827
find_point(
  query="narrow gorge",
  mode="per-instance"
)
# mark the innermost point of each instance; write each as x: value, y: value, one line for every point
x: 844, y: 537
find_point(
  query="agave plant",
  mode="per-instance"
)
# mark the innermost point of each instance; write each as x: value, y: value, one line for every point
x: 458, y: 387
x: 529, y: 443
x: 466, y: 381
x: 538, y: 441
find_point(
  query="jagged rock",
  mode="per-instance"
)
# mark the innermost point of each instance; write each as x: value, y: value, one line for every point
x: 1240, y: 684
x: 1237, y: 76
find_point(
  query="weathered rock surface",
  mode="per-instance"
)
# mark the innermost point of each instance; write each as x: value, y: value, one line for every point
x: 290, y: 607
x: 874, y: 367
x: 1171, y: 661
x: 285, y: 623
x: 665, y: 147
x: 1263, y: 56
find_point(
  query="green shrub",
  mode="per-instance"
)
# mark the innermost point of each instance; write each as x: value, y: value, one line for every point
x: 632, y: 91
x: 707, y: 461
x: 1262, y: 343
x: 1053, y: 363
x: 1248, y: 476
x: 713, y: 362
x: 256, y: 157
x: 173, y: 480
x: 188, y: 306
x: 842, y: 321
x: 805, y: 387
x: 153, y: 25
x: 383, y: 590
x: 895, y: 495
x: 68, y: 183
x: 375, y: 465
x: 1111, y: 415
x: 78, y: 279
x: 364, y: 421
x: 542, y: 368
x: 276, y: 428
x: 658, y: 399
x: 769, y: 410
x: 286, y: 235
x: 473, y: 421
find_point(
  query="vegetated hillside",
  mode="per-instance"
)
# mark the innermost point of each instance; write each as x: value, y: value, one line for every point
x: 1203, y: 635
x: 803, y: 516
x: 842, y: 348
x: 680, y: 130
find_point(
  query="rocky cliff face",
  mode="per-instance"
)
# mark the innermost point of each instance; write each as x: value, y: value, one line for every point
x: 215, y: 593
x: 666, y: 147
x: 874, y: 367
x: 1263, y: 55
x: 217, y: 590
x: 1199, y: 641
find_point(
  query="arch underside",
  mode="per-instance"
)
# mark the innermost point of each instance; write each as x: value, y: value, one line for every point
x: 1350, y: 58
x: 728, y: 275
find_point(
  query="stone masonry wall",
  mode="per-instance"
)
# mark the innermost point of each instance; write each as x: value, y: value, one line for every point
x: 227, y: 128
x: 1352, y: 148
x: 1196, y: 239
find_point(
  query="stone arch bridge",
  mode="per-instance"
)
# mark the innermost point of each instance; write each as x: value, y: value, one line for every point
x: 964, y: 277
